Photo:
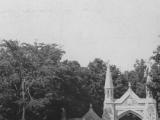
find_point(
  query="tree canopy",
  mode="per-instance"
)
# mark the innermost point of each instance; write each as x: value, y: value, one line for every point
x: 35, y: 83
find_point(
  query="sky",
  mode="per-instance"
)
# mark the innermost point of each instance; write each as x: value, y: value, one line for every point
x: 117, y: 30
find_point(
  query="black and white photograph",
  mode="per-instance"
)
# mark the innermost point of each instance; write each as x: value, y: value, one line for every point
x: 79, y: 59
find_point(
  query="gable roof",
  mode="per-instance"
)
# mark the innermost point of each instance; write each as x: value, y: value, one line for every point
x: 91, y: 115
x: 131, y: 93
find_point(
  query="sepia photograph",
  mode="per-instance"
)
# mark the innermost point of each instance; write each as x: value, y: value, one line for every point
x: 79, y: 59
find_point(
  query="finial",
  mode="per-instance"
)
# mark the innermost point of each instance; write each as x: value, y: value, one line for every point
x: 149, y: 64
x: 129, y: 84
x: 90, y: 106
x: 62, y: 109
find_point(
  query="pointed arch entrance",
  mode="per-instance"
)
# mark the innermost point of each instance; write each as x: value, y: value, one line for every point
x: 130, y: 112
x: 130, y: 103
x: 130, y: 115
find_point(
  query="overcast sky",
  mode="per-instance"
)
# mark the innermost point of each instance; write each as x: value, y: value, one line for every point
x: 119, y: 30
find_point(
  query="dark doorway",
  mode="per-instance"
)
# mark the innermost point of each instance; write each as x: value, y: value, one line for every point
x: 130, y: 116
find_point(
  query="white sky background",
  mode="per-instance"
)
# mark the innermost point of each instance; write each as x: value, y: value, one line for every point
x: 118, y: 30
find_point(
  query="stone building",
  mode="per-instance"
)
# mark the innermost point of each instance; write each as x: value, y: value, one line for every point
x: 114, y: 109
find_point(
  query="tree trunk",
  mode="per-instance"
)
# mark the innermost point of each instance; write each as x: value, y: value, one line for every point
x: 23, y: 113
x: 23, y: 98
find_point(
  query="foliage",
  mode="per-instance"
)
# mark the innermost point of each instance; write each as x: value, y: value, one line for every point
x: 155, y: 85
x: 25, y: 70
x: 137, y: 79
x: 36, y: 83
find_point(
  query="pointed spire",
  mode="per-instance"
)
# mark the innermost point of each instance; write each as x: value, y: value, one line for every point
x: 108, y: 80
x: 149, y: 79
x: 148, y: 71
x: 148, y: 68
x: 63, y: 114
x: 129, y: 85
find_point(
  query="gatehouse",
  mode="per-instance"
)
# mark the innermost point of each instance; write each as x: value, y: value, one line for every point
x: 114, y: 109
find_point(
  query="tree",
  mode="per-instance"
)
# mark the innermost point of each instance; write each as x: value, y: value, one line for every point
x: 73, y: 88
x: 155, y: 85
x: 136, y: 78
x: 24, y: 69
x: 139, y: 68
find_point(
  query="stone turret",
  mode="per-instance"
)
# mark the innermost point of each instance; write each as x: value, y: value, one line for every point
x: 108, y: 110
x: 150, y: 112
x: 148, y: 81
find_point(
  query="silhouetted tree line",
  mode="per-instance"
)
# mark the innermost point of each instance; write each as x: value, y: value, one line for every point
x: 35, y: 84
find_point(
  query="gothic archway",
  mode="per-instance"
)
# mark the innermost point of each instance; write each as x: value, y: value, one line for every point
x: 130, y: 115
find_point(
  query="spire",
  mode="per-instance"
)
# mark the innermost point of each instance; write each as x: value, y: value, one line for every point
x: 108, y: 80
x: 148, y: 68
x: 129, y: 85
x: 63, y: 114
x: 149, y: 79
x: 148, y: 71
